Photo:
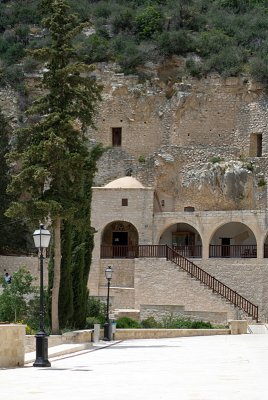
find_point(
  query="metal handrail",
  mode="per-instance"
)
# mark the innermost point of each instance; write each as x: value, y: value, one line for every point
x: 213, y: 283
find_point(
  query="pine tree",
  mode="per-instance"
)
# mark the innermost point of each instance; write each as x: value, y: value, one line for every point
x: 52, y: 153
x: 13, y: 235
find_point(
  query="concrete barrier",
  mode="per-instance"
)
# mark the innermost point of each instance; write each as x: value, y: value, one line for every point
x: 124, y: 334
x: 72, y: 337
x: 238, y: 327
x: 12, y: 345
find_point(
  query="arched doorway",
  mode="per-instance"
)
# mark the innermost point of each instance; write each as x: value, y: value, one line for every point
x: 233, y: 240
x: 119, y: 239
x: 184, y: 238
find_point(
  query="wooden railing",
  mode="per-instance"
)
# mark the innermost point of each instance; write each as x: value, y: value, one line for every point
x: 171, y: 254
x: 108, y: 251
x: 233, y: 251
x: 191, y: 251
x: 213, y: 283
x: 151, y: 251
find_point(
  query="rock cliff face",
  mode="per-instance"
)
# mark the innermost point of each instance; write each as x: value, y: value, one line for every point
x: 203, y: 143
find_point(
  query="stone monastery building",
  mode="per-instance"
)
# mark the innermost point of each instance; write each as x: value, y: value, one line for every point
x: 180, y: 197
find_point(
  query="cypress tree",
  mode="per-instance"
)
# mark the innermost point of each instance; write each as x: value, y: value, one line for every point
x: 83, y: 240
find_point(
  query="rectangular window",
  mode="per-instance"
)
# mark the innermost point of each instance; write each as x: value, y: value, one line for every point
x: 116, y: 137
x: 125, y: 202
x: 259, y: 145
x: 255, y: 149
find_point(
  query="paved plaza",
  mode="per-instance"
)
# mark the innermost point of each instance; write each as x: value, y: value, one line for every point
x: 189, y: 368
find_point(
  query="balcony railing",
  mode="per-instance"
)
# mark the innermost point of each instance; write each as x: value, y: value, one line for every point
x: 215, y: 251
x: 233, y: 251
x: 153, y: 251
x: 190, y: 251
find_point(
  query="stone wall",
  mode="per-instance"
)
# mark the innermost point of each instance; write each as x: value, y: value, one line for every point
x: 249, y: 279
x: 126, y: 334
x: 167, y: 140
x: 13, y: 263
x: 159, y: 282
x: 164, y: 312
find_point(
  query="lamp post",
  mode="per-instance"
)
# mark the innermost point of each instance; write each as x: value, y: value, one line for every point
x: 107, y: 325
x: 41, y: 241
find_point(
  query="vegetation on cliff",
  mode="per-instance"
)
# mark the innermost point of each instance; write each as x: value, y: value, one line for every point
x: 226, y: 36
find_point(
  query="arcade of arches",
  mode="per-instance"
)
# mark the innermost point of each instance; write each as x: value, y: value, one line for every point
x: 233, y: 240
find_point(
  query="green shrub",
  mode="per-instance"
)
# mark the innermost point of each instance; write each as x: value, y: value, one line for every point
x: 228, y: 62
x: 215, y: 159
x: 201, y: 325
x: 13, y: 53
x: 13, y: 75
x: 259, y: 68
x: 194, y: 68
x: 148, y: 22
x: 93, y: 48
x: 262, y: 182
x: 123, y: 21
x: 127, y: 323
x: 174, y: 42
x: 96, y: 308
x: 141, y: 159
x: 171, y: 322
x: 30, y: 65
x: 102, y: 10
x: 91, y: 321
x: 249, y: 167
x: 150, y: 322
x: 14, y: 303
x: 129, y: 57
x: 212, y: 42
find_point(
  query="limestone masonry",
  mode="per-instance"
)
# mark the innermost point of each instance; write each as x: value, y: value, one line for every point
x: 186, y: 167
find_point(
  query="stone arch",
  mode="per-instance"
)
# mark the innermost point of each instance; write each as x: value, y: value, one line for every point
x: 234, y: 240
x: 183, y: 237
x: 111, y: 234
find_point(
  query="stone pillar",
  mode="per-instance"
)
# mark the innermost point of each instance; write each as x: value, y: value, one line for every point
x: 12, y: 345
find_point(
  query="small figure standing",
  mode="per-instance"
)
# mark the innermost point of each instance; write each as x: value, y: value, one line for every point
x: 7, y: 277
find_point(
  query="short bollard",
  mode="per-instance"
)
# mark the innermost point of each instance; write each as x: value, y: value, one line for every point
x: 113, y: 329
x: 96, y: 333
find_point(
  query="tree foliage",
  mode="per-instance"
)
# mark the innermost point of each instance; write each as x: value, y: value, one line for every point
x: 187, y: 23
x: 13, y: 233
x: 52, y: 153
x: 14, y: 301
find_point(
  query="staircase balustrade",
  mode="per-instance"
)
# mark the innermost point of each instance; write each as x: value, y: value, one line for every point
x: 173, y: 255
x: 229, y: 294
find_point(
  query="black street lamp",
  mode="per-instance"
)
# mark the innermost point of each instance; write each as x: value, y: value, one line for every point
x: 41, y: 241
x: 107, y: 326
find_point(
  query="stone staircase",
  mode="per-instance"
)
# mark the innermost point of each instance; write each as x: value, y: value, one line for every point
x: 250, y: 309
x: 161, y: 289
x: 171, y: 284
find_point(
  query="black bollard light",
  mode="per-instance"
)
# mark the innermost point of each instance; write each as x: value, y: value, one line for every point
x: 107, y: 325
x: 41, y: 240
